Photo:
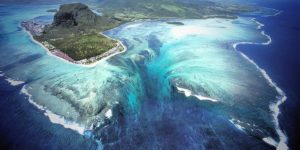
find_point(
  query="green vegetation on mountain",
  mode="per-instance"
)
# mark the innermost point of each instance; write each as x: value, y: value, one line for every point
x: 145, y: 9
x: 84, y: 46
x: 75, y: 29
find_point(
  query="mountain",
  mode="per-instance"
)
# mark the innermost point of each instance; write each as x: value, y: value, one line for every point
x: 145, y: 9
x: 77, y: 18
x: 74, y: 34
x: 75, y: 29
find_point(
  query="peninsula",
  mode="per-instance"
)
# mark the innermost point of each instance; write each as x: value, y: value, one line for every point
x: 75, y: 34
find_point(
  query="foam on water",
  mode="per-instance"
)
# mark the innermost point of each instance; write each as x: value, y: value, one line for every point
x: 183, y: 33
x: 268, y: 37
x: 11, y: 81
x: 282, y: 144
x: 236, y: 123
x: 278, y: 13
x: 56, y: 119
x: 108, y: 114
x: 1, y: 74
x: 193, y: 75
x: 275, y: 14
x: 188, y: 93
x: 190, y: 55
x: 259, y: 24
x: 14, y: 82
x: 133, y: 25
x: 270, y: 141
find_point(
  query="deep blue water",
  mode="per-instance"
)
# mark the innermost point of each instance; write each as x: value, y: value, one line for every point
x: 25, y: 127
x: 179, y: 123
x: 281, y: 60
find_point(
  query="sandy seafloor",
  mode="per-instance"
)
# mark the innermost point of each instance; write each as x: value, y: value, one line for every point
x: 176, y: 87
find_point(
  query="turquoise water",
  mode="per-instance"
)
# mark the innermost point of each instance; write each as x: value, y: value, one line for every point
x: 175, y: 86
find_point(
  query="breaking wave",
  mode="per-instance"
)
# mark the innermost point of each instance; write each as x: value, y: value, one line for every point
x: 56, y: 119
x: 274, y: 107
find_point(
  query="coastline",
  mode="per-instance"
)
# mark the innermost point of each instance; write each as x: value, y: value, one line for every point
x: 93, y: 64
x: 104, y: 56
x: 54, y: 118
x: 274, y: 107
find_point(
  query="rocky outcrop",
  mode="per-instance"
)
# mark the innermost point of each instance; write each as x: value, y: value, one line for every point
x: 75, y: 14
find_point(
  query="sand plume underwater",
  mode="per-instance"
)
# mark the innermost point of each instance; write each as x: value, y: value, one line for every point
x: 180, y: 87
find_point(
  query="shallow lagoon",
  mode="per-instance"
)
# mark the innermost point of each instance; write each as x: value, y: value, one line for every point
x: 175, y: 86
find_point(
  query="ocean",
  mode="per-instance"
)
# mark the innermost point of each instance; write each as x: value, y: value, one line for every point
x: 175, y: 87
x: 281, y: 60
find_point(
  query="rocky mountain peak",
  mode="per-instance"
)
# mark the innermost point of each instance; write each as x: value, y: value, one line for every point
x: 75, y: 14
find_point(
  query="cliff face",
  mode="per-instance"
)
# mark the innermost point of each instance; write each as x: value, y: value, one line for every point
x: 75, y: 14
x: 77, y: 18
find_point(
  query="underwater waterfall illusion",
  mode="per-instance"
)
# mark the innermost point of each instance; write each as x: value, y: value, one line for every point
x: 175, y: 86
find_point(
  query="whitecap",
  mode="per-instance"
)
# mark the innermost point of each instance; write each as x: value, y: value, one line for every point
x: 259, y: 24
x: 188, y: 93
x: 132, y: 25
x: 269, y: 38
x: 11, y: 81
x: 66, y: 124
x: 56, y: 119
x: 274, y: 107
x: 203, y: 98
x: 108, y: 114
x: 1, y: 74
x: 270, y: 141
x: 237, y: 123
x: 275, y: 14
x: 282, y: 144
x: 14, y: 82
x: 278, y: 13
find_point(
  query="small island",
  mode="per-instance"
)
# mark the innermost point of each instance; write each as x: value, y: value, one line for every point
x: 175, y: 23
x: 75, y: 34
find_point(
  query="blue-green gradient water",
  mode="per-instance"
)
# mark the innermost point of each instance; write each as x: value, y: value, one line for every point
x: 175, y: 87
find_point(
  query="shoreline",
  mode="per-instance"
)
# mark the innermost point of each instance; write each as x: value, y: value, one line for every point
x: 93, y: 64
x: 119, y: 43
x: 54, y: 118
x: 274, y: 107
